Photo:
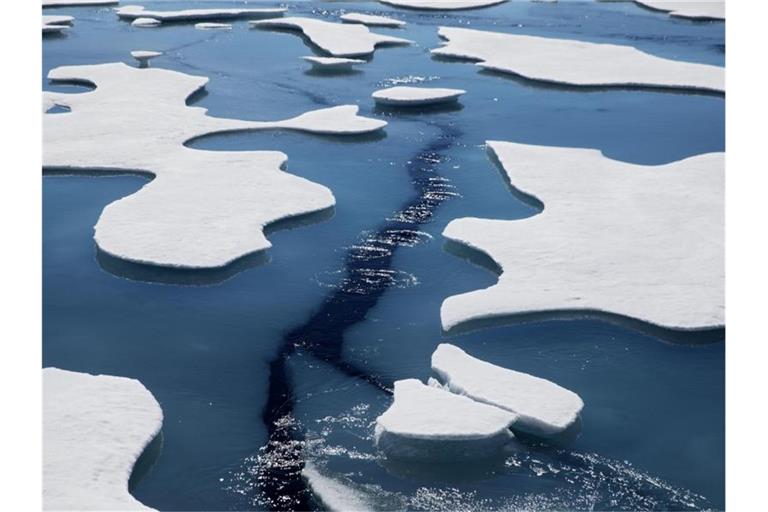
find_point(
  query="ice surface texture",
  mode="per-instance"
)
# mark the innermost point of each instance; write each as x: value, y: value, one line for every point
x: 644, y: 242
x: 576, y: 63
x: 691, y: 9
x: 204, y: 209
x: 95, y: 427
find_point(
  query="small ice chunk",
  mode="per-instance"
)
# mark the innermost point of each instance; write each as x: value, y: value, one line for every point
x: 542, y: 407
x: 333, y: 494
x: 145, y: 22
x: 416, y: 96
x: 371, y: 20
x: 130, y: 12
x: 56, y: 23
x: 213, y: 26
x: 442, y: 5
x: 702, y: 10
x: 143, y: 56
x: 426, y: 422
x: 332, y: 63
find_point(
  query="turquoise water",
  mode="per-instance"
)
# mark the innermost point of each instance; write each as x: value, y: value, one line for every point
x: 652, y: 435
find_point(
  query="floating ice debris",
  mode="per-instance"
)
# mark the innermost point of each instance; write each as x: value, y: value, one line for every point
x: 332, y: 63
x: 691, y: 9
x: 131, y: 12
x: 334, y: 495
x: 542, y: 407
x: 204, y: 209
x: 427, y: 422
x: 442, y: 5
x: 213, y: 26
x: 644, y: 242
x: 146, y: 22
x: 56, y: 23
x: 416, y: 96
x: 95, y: 427
x: 77, y: 3
x: 143, y: 56
x: 371, y: 20
x: 338, y: 39
x: 578, y: 63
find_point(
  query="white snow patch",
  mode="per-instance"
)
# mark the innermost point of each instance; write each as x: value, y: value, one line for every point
x: 145, y: 22
x: 415, y: 96
x: 542, y: 407
x: 691, y: 9
x: 131, y: 12
x: 338, y: 39
x: 204, y: 209
x: 95, y: 427
x: 579, y: 63
x: 334, y: 495
x: 213, y: 26
x: 442, y: 5
x: 427, y: 422
x: 644, y: 242
x: 371, y: 20
x: 332, y: 63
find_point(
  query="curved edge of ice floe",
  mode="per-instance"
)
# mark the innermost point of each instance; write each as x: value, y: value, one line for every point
x: 428, y: 5
x: 90, y: 453
x: 404, y: 96
x: 331, y: 493
x: 711, y: 15
x: 146, y: 22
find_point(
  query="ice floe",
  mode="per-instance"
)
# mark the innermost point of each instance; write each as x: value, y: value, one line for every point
x: 442, y: 5
x: 131, y: 12
x: 204, y: 209
x: 578, y: 63
x: 427, y: 422
x: 334, y: 495
x: 332, y: 63
x: 56, y: 23
x: 371, y: 20
x: 95, y: 427
x: 77, y: 3
x: 416, y: 96
x: 213, y: 26
x: 144, y: 56
x: 146, y: 22
x: 542, y: 407
x: 644, y: 242
x: 338, y: 39
x: 691, y: 9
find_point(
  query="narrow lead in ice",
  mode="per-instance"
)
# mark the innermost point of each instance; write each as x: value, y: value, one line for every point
x: 442, y: 5
x: 131, y: 12
x: 644, y: 242
x: 542, y: 407
x: 95, y: 427
x: 578, y: 63
x: 338, y: 39
x: 371, y: 20
x: 426, y: 422
x: 691, y: 9
x: 416, y: 96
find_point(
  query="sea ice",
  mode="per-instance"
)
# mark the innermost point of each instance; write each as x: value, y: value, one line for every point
x: 213, y: 26
x: 644, y: 242
x: 579, y: 63
x: 131, y: 12
x: 334, y: 495
x: 442, y: 5
x: 691, y: 9
x: 146, y: 22
x: 371, y: 20
x: 332, y: 63
x: 77, y: 3
x: 143, y: 56
x: 204, y: 209
x: 338, y: 39
x: 56, y: 23
x: 542, y: 407
x: 416, y: 96
x: 426, y: 422
x: 95, y: 427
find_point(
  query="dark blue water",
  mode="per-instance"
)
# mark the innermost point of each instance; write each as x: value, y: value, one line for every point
x: 653, y: 426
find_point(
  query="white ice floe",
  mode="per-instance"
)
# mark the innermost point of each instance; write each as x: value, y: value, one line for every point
x: 691, y: 9
x: 56, y: 23
x: 332, y: 63
x: 416, y: 96
x: 542, y: 407
x: 77, y: 3
x: 338, y: 39
x: 146, y: 22
x: 371, y: 20
x: 144, y: 56
x: 442, y: 5
x: 428, y: 422
x: 334, y: 495
x: 644, y: 242
x: 579, y: 63
x: 204, y: 208
x: 213, y: 26
x: 95, y: 427
x: 131, y: 12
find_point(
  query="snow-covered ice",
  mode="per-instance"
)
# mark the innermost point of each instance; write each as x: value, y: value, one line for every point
x: 334, y: 495
x: 56, y: 23
x: 427, y: 422
x: 338, y: 39
x: 542, y: 407
x: 146, y: 22
x: 691, y: 9
x: 131, y: 12
x: 579, y: 63
x: 209, y: 25
x: 95, y: 427
x: 416, y: 96
x: 144, y: 56
x: 332, y: 63
x: 644, y: 242
x: 371, y: 20
x: 77, y: 3
x: 442, y: 5
x: 204, y: 209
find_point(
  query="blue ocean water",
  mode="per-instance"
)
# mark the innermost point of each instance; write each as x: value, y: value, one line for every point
x: 359, y: 295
